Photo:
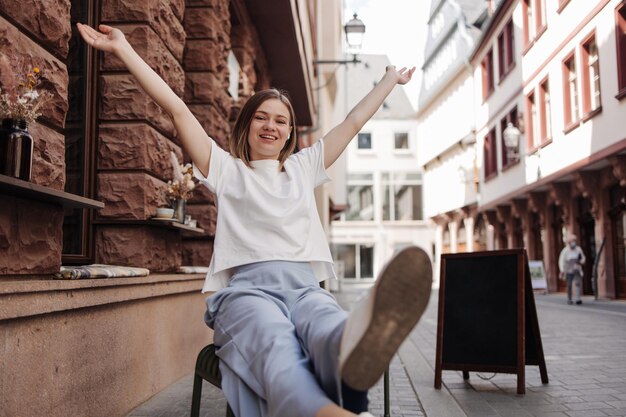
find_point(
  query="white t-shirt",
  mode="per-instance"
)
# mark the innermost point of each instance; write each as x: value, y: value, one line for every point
x: 265, y: 214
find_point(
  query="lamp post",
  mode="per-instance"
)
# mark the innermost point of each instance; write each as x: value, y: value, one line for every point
x: 511, y: 137
x: 355, y: 30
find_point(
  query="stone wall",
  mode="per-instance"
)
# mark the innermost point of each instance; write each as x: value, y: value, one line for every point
x: 207, y: 24
x: 187, y: 43
x: 37, y: 38
x: 136, y: 137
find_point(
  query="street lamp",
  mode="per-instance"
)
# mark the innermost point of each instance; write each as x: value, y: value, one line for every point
x: 354, y: 29
x: 511, y: 137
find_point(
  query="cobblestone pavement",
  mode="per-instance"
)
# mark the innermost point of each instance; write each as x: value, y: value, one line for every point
x: 585, y: 351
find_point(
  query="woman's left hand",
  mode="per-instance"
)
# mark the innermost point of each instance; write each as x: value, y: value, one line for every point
x: 403, y: 75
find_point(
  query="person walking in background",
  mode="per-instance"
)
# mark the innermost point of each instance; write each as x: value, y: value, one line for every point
x: 571, y: 261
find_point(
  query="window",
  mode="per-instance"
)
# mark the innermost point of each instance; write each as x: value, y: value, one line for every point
x: 233, y: 75
x: 533, y: 20
x: 509, y: 118
x: 490, y: 155
x: 360, y: 197
x: 506, y: 52
x: 570, y: 91
x: 545, y: 112
x: 80, y: 136
x: 540, y: 16
x: 357, y: 259
x: 528, y: 8
x: 487, y: 69
x: 402, y: 196
x: 364, y: 141
x: 590, y: 76
x: 532, y: 122
x: 620, y: 32
x: 401, y: 140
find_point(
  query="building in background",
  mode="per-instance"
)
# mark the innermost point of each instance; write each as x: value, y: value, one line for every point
x: 384, y: 181
x: 100, y: 166
x: 446, y: 124
x: 556, y: 71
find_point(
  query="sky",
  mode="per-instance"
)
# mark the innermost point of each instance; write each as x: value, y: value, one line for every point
x: 396, y: 28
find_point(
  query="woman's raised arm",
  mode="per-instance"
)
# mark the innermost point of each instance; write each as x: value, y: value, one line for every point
x: 337, y: 139
x: 193, y: 137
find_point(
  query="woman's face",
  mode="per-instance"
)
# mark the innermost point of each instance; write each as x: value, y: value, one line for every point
x: 269, y: 130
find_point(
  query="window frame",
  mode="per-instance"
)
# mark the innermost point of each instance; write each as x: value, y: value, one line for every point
x: 545, y: 113
x: 357, y: 259
x: 360, y: 182
x: 89, y: 129
x: 562, y: 4
x: 506, y: 50
x: 358, y: 143
x: 620, y: 35
x: 490, y: 155
x: 570, y: 121
x: 511, y: 116
x: 587, y: 83
x: 487, y: 74
x: 393, y: 183
x: 535, y: 26
x: 531, y: 121
x: 408, y: 142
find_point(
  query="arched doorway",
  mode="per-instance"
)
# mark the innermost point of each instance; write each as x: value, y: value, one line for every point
x: 586, y: 240
x: 617, y: 214
x: 536, y: 236
x: 557, y: 243
x: 518, y: 233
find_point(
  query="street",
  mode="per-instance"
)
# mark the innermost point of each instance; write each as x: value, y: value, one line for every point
x: 585, y: 354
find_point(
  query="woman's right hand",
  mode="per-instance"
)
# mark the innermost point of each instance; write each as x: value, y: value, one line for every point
x: 109, y: 39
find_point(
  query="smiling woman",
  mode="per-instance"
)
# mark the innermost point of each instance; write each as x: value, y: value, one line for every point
x: 270, y: 253
x: 264, y: 128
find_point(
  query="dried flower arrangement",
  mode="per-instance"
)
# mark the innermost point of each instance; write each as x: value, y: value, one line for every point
x: 181, y: 187
x: 21, y: 96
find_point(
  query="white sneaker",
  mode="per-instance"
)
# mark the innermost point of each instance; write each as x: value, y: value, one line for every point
x: 379, y: 323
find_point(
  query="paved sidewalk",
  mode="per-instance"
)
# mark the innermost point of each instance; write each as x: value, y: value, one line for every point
x: 585, y: 351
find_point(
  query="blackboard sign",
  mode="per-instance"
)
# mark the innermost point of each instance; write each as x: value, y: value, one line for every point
x: 487, y: 320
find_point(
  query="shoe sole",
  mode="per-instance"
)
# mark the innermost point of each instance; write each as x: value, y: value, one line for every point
x: 400, y: 297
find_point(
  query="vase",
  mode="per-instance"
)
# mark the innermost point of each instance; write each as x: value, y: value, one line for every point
x: 4, y: 133
x: 17, y: 149
x: 179, y: 207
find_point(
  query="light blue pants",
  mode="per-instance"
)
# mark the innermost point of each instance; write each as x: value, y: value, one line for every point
x: 278, y: 335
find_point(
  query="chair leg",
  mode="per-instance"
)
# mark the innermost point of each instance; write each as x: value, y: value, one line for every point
x: 196, y: 396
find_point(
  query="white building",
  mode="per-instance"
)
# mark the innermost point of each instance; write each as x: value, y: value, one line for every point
x: 446, y: 123
x: 557, y: 71
x: 384, y: 182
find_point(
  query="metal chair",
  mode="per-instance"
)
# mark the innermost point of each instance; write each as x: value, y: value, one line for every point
x: 207, y: 368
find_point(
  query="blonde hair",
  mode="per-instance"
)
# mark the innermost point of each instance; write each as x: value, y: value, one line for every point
x: 238, y: 143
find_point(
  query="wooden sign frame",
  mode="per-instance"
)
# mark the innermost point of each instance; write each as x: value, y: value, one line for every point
x: 527, y: 338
